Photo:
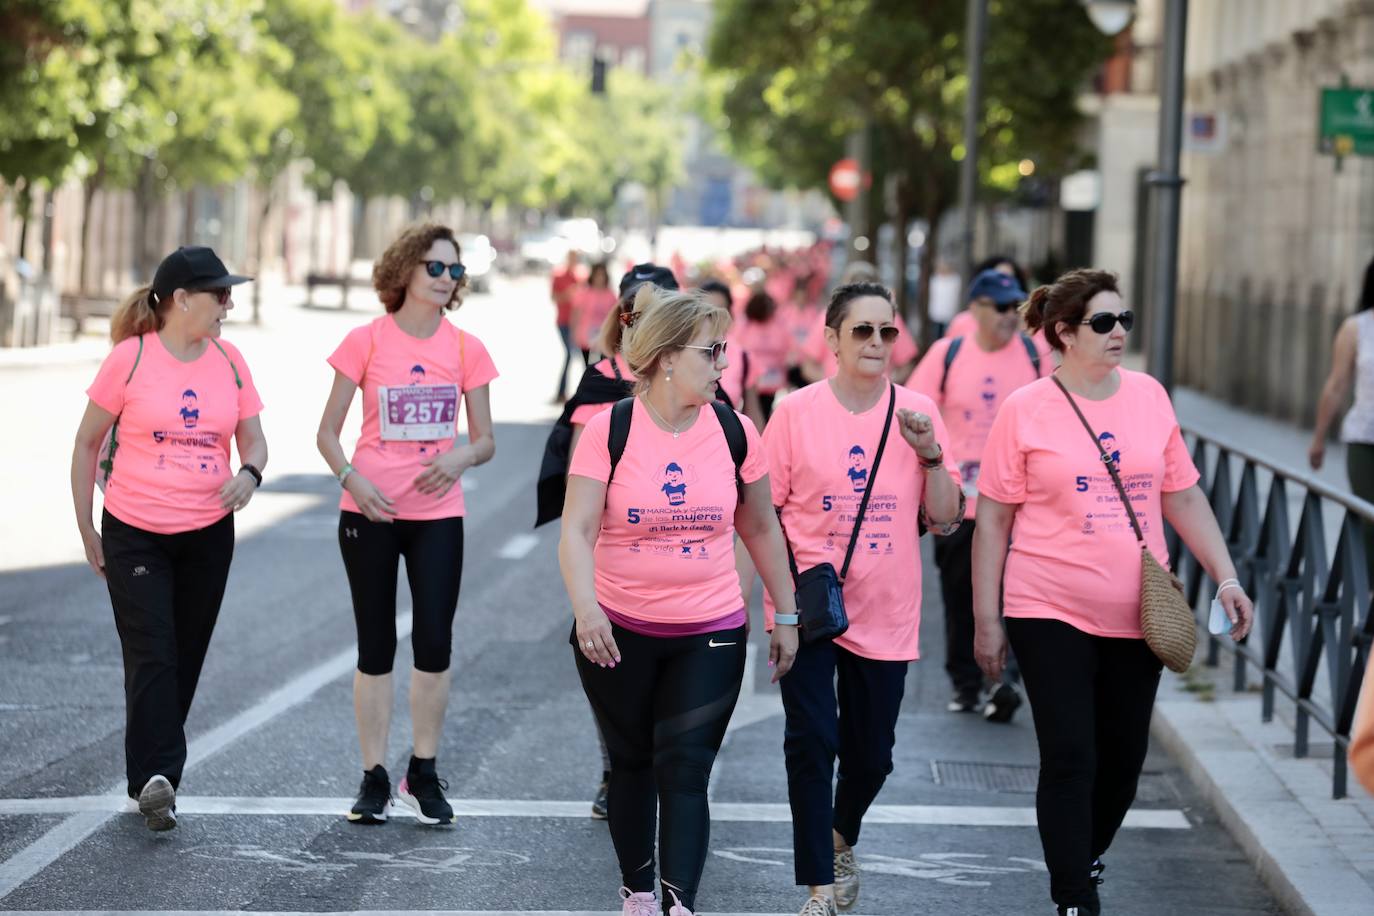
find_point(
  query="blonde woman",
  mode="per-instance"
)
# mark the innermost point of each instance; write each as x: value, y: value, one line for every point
x: 172, y: 395
x: 647, y: 555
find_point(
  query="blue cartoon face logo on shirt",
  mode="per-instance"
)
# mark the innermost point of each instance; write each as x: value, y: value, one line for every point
x: 1108, y: 442
x: 417, y: 374
x: 858, y: 469
x: 989, y: 392
x: 674, y: 484
x: 190, y: 412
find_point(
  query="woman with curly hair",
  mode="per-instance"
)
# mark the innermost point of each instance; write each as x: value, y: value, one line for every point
x: 402, y: 498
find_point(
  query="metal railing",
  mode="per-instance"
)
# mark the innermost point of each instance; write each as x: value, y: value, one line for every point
x: 1313, y: 625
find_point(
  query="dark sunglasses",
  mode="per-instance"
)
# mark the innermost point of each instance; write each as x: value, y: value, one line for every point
x: 1103, y: 322
x: 717, y: 349
x: 436, y: 269
x: 888, y: 333
x: 221, y: 293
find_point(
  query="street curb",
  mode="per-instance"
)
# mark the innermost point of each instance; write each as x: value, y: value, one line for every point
x: 1290, y: 849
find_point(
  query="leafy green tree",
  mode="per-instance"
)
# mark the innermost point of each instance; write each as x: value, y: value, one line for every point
x: 821, y: 68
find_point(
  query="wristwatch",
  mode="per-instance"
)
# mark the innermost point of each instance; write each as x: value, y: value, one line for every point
x: 344, y: 472
x: 930, y: 464
x: 257, y: 475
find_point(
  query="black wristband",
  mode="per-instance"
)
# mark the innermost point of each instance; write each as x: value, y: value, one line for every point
x: 257, y: 475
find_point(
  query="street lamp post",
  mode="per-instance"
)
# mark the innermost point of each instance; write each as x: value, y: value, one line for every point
x: 1166, y: 185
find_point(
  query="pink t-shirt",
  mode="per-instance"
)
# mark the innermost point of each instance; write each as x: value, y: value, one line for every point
x: 175, y: 423
x: 422, y: 382
x: 977, y: 384
x: 769, y: 343
x: 903, y: 351
x: 819, y: 455
x: 593, y: 305
x: 1073, y: 554
x: 584, y: 412
x: 666, y: 551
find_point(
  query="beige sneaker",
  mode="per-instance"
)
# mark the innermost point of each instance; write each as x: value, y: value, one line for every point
x: 818, y: 906
x: 846, y: 879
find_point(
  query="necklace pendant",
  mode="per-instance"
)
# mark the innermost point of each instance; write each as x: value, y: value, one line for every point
x: 675, y: 434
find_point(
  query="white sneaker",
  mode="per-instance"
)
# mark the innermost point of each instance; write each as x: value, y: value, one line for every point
x: 158, y: 804
x: 818, y: 906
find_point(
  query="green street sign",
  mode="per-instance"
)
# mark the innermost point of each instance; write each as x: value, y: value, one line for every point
x: 1347, y: 122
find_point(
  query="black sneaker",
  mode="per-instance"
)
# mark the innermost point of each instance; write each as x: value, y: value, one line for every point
x: 374, y: 797
x: 599, y: 803
x: 964, y: 701
x: 423, y: 792
x: 1095, y: 872
x: 157, y: 802
x: 1078, y: 911
x: 1002, y: 705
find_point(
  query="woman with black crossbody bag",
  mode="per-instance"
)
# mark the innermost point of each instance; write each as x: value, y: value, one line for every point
x: 847, y: 496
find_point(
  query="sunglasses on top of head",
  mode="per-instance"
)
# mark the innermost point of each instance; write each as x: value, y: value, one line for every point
x: 436, y: 269
x: 716, y: 350
x: 221, y: 293
x: 1103, y: 322
x: 888, y: 333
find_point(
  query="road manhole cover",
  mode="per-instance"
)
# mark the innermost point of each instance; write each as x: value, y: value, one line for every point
x: 1154, y: 787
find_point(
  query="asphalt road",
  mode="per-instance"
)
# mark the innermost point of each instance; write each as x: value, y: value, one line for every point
x: 274, y: 758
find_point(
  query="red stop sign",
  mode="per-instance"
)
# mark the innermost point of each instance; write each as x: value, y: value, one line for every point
x: 846, y: 180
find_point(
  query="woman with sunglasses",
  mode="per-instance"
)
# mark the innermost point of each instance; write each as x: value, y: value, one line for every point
x: 1070, y: 589
x: 969, y: 377
x: 402, y: 497
x: 171, y: 395
x: 647, y: 555
x: 817, y: 357
x: 822, y: 444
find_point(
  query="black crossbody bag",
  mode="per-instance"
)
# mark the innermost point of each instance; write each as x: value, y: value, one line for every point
x: 820, y: 590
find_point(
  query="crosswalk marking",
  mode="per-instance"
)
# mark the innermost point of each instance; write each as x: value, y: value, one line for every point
x: 737, y: 812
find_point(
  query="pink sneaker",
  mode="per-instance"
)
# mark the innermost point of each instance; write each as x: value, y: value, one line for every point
x: 643, y: 903
x: 677, y: 909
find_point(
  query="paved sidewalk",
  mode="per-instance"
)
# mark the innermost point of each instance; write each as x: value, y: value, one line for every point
x: 1315, y: 854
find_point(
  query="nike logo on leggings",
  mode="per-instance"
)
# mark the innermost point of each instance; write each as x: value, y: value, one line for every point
x: 716, y: 645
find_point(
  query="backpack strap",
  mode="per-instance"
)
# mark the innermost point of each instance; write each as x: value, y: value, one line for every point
x: 952, y: 352
x: 734, y: 437
x: 619, y: 434
x: 237, y: 381
x: 106, y: 464
x: 1031, y: 350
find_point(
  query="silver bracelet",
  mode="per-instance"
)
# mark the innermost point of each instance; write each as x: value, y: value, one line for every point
x: 787, y: 620
x: 1225, y: 584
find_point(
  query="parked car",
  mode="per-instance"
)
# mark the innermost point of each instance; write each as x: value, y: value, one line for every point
x: 480, y: 258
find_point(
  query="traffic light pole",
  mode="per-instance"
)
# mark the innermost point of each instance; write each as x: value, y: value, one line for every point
x: 974, y: 43
x: 1168, y: 189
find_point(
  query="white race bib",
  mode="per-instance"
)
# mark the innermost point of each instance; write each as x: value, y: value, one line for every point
x: 418, y: 413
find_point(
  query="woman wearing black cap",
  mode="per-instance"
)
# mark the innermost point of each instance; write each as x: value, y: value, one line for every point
x: 171, y: 396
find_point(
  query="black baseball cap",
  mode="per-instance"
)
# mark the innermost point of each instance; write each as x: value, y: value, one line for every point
x: 640, y: 274
x: 192, y: 267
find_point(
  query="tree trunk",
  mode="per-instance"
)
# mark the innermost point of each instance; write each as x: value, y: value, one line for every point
x: 188, y: 227
x: 258, y: 237
x: 143, y: 203
x: 928, y: 255
x: 901, y: 247
x: 23, y: 201
x: 89, y: 187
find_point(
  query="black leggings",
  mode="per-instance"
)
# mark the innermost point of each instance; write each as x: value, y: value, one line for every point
x: 166, y: 591
x: 663, y: 712
x: 433, y: 551
x: 1092, y: 698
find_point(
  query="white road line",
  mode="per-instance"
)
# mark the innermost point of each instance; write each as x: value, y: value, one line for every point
x: 343, y: 912
x: 736, y: 812
x: 518, y: 546
x: 62, y: 838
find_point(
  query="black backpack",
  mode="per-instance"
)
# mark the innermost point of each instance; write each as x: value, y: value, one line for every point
x: 594, y: 388
x: 623, y: 412
x: 958, y: 342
